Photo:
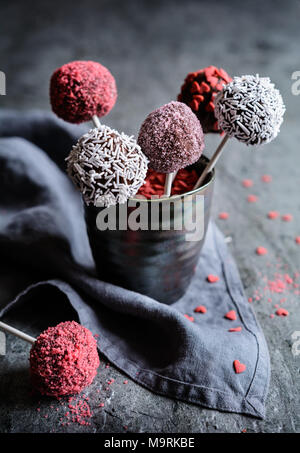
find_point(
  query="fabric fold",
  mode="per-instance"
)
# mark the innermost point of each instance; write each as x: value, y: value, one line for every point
x: 42, y: 227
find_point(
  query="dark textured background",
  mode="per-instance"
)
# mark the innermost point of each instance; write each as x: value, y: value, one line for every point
x: 149, y: 46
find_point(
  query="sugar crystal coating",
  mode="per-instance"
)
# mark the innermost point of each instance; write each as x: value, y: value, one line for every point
x: 171, y: 137
x: 250, y: 109
x: 64, y: 360
x: 107, y: 167
x: 81, y: 89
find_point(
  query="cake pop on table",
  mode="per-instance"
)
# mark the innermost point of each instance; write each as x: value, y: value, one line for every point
x: 172, y: 138
x: 107, y: 167
x: 63, y: 359
x: 82, y: 91
x: 198, y: 92
x: 250, y: 109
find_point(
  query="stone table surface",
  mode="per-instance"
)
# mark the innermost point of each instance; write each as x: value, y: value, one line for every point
x: 150, y: 46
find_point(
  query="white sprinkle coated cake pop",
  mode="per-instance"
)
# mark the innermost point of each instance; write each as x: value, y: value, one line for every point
x: 108, y: 167
x: 250, y: 109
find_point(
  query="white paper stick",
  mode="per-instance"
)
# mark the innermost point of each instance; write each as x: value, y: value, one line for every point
x: 96, y: 121
x: 211, y: 164
x: 168, y: 184
x: 17, y: 333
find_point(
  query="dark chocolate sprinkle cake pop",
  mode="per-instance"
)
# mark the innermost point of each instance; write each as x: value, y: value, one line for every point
x: 107, y: 167
x: 82, y: 89
x: 198, y: 92
x: 171, y: 137
x: 64, y: 360
x: 250, y: 109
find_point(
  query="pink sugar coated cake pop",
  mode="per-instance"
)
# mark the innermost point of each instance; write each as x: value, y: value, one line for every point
x: 64, y: 360
x: 171, y: 137
x: 81, y: 89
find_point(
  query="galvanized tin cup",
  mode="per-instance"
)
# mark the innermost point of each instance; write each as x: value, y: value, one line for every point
x: 157, y: 262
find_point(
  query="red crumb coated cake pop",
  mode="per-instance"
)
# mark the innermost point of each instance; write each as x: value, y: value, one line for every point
x: 64, y: 360
x: 198, y: 92
x: 171, y: 137
x: 81, y: 89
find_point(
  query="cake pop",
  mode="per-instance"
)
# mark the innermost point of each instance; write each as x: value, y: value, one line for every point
x: 107, y: 167
x: 250, y: 109
x: 81, y: 91
x: 172, y: 138
x: 198, y: 92
x: 63, y: 359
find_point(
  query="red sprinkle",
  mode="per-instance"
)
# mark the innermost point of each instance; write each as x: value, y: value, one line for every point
x: 282, y: 312
x: 273, y: 215
x: 190, y: 318
x: 247, y: 183
x: 231, y: 315
x: 200, y: 309
x: 212, y: 278
x: 235, y: 329
x: 261, y: 251
x: 223, y: 215
x: 287, y: 217
x: 266, y: 178
x: 239, y: 367
x: 252, y: 198
x: 297, y: 239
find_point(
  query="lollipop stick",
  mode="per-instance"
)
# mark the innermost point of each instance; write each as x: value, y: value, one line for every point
x: 96, y: 121
x: 211, y: 164
x: 168, y: 183
x: 17, y: 333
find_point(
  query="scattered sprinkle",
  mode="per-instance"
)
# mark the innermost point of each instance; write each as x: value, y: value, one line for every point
x: 231, y: 315
x: 235, y: 329
x: 239, y: 367
x: 223, y: 215
x: 273, y: 215
x: 252, y: 198
x: 190, y: 318
x: 261, y: 251
x: 287, y: 217
x: 247, y: 183
x: 282, y: 312
x: 212, y: 278
x: 200, y: 309
x: 266, y: 178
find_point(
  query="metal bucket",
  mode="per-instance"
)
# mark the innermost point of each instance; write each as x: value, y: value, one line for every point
x: 159, y: 263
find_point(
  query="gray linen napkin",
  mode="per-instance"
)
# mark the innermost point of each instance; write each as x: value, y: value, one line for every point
x: 42, y: 228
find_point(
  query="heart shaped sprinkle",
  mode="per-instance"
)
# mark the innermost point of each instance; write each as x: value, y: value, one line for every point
x: 231, y: 315
x: 212, y: 278
x: 200, y: 309
x: 282, y: 312
x: 239, y: 367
